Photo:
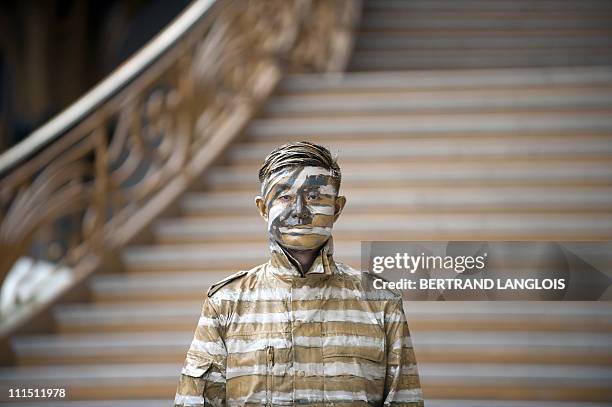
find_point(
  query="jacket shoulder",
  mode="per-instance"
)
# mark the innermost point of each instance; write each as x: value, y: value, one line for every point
x: 235, y: 279
x: 347, y: 271
x: 364, y: 282
x: 218, y: 285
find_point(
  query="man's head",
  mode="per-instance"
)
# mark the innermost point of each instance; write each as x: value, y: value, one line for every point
x: 299, y: 197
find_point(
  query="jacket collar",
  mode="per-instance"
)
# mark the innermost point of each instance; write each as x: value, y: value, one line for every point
x: 282, y: 264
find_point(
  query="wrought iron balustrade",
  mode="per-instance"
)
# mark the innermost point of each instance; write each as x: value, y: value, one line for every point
x: 86, y: 183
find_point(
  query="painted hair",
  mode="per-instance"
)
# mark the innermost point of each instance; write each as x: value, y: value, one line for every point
x: 299, y: 154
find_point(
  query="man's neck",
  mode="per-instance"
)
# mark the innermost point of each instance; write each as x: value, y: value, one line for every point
x: 305, y: 258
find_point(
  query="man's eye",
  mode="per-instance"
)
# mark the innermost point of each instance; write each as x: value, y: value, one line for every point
x: 285, y: 198
x: 312, y: 195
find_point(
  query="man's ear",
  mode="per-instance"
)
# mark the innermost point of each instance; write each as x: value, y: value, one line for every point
x: 340, y: 202
x: 261, y: 205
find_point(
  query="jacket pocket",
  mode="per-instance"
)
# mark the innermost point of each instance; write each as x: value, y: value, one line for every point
x: 354, y: 363
x: 196, y: 367
x: 252, y: 367
x: 350, y: 340
x: 191, y: 387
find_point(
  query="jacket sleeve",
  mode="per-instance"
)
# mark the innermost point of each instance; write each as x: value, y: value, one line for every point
x: 202, y: 379
x: 402, y: 383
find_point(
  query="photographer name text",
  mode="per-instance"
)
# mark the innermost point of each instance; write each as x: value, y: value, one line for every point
x: 472, y: 284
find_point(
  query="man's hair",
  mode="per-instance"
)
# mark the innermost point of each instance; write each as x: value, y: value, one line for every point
x: 299, y: 154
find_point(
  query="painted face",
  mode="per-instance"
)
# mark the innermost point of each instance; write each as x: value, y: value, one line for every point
x: 301, y: 206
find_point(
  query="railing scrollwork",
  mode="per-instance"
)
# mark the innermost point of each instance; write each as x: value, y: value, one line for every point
x: 89, y: 181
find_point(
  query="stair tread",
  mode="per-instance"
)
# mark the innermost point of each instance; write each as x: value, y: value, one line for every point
x: 413, y: 309
x: 445, y: 79
x: 405, y: 62
x: 240, y: 201
x: 484, y: 5
x: 467, y: 341
x: 421, y: 149
x: 402, y: 221
x: 479, y: 40
x: 383, y: 221
x: 535, y: 21
x: 371, y: 103
x: 431, y: 373
x: 416, y: 173
x: 153, y: 282
x: 530, y: 167
x: 499, y: 123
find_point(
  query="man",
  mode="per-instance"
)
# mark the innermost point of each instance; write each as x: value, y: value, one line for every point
x: 301, y: 329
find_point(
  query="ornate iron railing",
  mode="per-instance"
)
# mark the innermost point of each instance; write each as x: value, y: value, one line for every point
x: 86, y: 183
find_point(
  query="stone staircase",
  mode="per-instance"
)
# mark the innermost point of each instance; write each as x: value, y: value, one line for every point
x: 435, y: 34
x: 514, y: 153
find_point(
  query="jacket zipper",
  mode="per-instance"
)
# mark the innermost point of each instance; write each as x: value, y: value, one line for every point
x: 269, y: 367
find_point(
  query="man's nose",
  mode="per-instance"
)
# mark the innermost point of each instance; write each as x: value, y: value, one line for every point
x: 299, y: 209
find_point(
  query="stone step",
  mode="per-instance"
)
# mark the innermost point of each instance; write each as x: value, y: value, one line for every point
x: 359, y: 178
x: 239, y: 242
x: 482, y: 5
x: 439, y: 125
x: 449, y: 20
x: 212, y: 256
x: 405, y: 221
x: 365, y: 200
x: 475, y: 79
x: 560, y: 19
x: 373, y: 104
x: 182, y: 315
x: 473, y: 177
x: 153, y: 286
x: 445, y: 380
x: 445, y: 35
x: 479, y: 40
x: 430, y: 346
x: 439, y: 380
x: 243, y: 255
x: 425, y: 145
x: 380, y: 60
x: 376, y: 14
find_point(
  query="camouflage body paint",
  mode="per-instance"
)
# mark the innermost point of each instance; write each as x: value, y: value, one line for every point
x: 301, y: 206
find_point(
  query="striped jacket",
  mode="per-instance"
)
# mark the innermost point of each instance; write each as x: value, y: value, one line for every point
x: 271, y: 336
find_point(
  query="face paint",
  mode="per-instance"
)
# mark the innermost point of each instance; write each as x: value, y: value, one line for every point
x: 301, y: 207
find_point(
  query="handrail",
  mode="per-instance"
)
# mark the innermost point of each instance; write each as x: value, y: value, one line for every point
x: 109, y: 86
x: 89, y: 181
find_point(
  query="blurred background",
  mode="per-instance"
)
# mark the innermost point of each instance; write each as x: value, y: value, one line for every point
x: 452, y: 120
x: 51, y: 52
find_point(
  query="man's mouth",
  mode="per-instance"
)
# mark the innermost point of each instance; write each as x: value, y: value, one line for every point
x: 295, y: 228
x: 293, y: 223
x: 306, y: 230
